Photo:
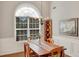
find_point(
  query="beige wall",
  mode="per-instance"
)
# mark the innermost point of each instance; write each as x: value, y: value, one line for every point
x: 8, y: 42
x: 63, y: 11
x: 7, y: 16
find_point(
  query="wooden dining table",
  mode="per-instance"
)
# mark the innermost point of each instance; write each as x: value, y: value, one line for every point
x: 42, y: 48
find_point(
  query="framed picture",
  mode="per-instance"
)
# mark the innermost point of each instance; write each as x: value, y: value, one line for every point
x: 69, y: 27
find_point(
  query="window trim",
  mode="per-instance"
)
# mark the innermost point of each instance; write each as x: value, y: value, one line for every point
x: 20, y: 6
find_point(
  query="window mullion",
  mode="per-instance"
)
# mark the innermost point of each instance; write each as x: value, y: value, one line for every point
x: 39, y: 26
x: 28, y: 30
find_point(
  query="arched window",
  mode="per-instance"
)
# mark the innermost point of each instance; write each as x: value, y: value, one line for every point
x: 27, y: 10
x: 27, y: 22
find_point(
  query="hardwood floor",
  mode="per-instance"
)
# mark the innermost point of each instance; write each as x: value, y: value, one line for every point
x: 20, y: 54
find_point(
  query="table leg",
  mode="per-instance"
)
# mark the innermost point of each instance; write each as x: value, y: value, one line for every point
x: 62, y: 52
x: 26, y: 50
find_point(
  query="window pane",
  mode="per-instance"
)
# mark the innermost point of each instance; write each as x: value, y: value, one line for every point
x: 21, y: 35
x: 34, y: 34
x: 21, y: 22
x: 37, y: 25
x: 33, y: 26
x: 30, y: 25
x: 33, y: 23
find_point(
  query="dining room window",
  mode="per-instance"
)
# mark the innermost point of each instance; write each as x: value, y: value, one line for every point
x: 27, y: 22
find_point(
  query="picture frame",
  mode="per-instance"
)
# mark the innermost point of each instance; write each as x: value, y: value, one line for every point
x: 69, y: 27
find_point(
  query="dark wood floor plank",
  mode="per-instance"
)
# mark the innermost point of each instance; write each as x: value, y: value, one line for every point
x: 20, y: 54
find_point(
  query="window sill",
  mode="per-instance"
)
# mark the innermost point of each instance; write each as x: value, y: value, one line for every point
x: 22, y: 41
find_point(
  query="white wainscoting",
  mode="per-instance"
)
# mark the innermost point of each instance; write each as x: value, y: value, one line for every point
x: 71, y: 43
x: 10, y: 45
